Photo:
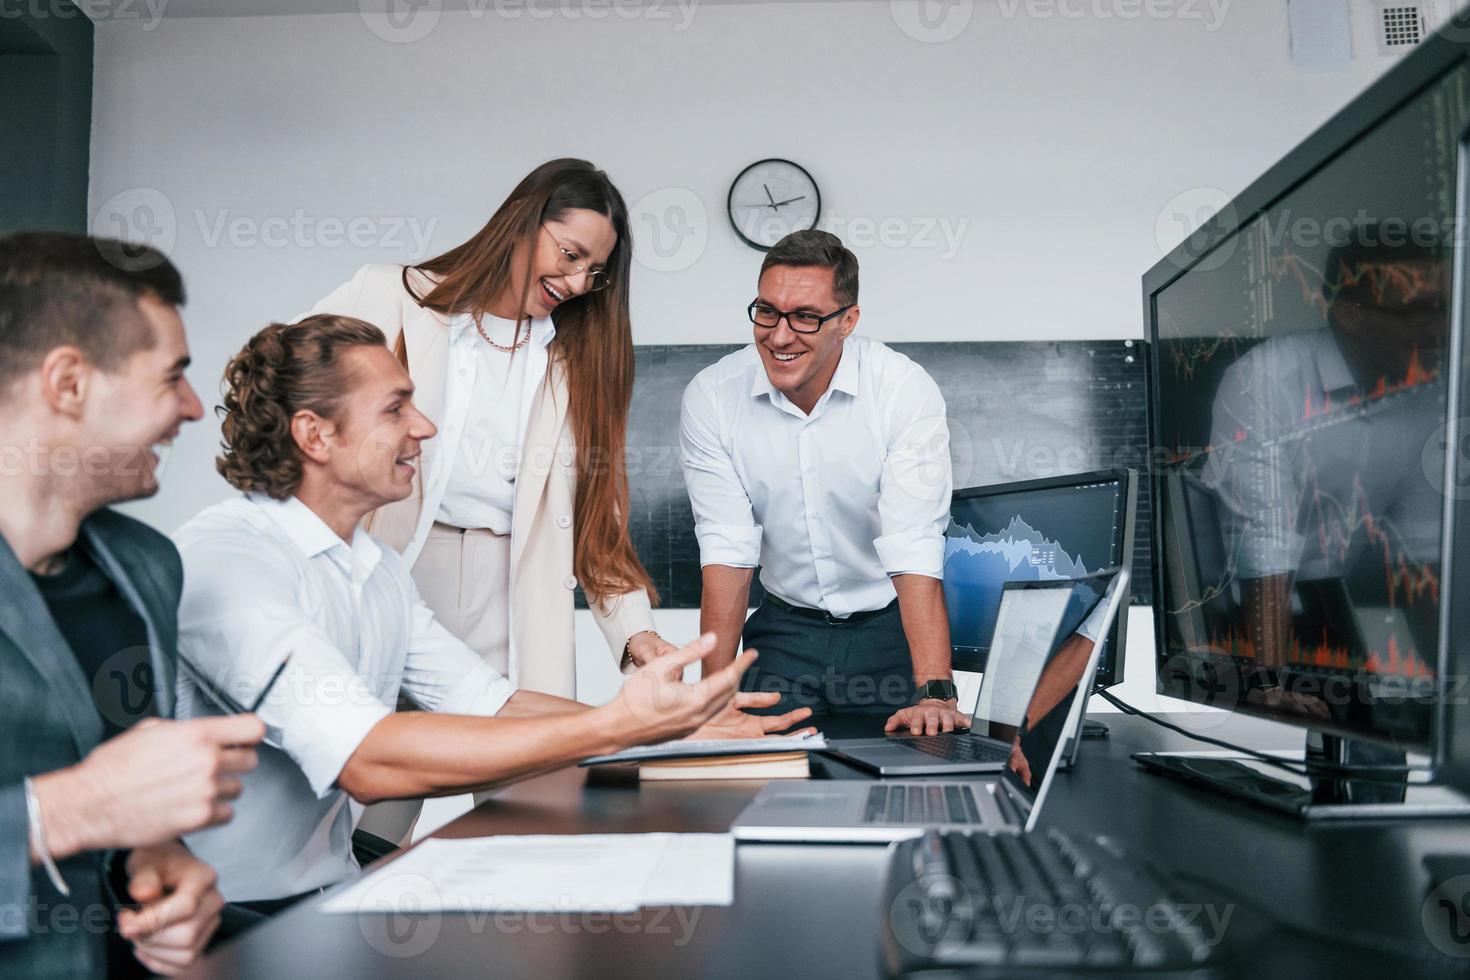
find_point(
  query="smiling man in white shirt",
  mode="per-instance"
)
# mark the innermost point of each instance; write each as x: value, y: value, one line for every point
x: 320, y: 429
x: 823, y: 458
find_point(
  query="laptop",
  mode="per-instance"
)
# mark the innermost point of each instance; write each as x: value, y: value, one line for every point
x: 857, y: 811
x: 1028, y: 619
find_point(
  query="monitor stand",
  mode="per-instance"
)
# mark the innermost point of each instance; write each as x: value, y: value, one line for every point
x: 1316, y: 797
x: 1090, y: 729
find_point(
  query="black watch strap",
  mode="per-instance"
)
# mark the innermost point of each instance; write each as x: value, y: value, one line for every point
x: 937, y: 691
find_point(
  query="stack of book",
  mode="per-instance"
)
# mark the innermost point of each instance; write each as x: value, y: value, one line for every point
x: 778, y: 757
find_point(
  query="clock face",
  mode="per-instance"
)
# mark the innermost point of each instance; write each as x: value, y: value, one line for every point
x: 770, y: 199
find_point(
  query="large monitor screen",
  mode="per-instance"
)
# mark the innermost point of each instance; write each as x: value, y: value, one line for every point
x: 1300, y: 404
x: 1043, y: 530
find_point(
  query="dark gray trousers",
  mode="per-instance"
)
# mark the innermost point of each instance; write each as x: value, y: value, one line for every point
x: 858, y: 665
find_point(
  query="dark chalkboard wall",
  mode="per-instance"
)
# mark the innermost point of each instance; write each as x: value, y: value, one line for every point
x: 1017, y: 411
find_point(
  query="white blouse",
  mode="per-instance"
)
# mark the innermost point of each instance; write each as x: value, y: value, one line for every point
x: 479, y: 491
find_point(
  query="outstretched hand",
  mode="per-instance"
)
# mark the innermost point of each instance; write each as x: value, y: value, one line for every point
x: 656, y: 705
x: 736, y: 722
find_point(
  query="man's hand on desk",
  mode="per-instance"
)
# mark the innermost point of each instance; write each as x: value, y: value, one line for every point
x: 735, y: 722
x: 178, y: 907
x: 928, y: 717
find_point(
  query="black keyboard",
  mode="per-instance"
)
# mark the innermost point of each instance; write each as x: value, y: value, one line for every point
x: 958, y: 746
x: 1004, y: 903
x: 934, y: 803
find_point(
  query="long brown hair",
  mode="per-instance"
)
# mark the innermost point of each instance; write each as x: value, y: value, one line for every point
x: 594, y: 345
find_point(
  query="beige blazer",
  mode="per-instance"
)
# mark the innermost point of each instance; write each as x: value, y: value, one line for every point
x: 541, y: 581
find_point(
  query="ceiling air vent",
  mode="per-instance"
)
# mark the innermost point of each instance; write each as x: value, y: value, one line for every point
x: 1401, y: 25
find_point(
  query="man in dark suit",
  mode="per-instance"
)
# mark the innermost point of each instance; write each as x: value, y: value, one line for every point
x: 92, y: 358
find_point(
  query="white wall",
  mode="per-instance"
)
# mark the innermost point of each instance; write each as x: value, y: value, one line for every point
x: 1057, y: 152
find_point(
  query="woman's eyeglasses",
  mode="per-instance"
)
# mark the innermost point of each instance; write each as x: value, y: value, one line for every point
x: 571, y: 264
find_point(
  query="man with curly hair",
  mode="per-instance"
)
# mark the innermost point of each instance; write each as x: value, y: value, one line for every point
x: 320, y: 429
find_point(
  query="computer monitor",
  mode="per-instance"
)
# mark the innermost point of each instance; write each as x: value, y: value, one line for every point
x: 1061, y: 527
x: 1303, y: 421
x: 1454, y: 762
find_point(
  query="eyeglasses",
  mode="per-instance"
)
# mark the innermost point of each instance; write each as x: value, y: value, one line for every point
x: 570, y: 264
x: 801, y: 321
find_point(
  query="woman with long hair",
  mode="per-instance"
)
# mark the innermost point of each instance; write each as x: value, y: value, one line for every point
x: 520, y: 348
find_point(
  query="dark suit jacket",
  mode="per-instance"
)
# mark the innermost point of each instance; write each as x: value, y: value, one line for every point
x: 49, y: 720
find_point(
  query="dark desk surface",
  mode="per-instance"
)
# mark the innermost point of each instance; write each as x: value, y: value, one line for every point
x: 813, y: 911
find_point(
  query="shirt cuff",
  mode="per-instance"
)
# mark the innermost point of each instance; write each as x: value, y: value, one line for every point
x: 329, y: 726
x: 917, y: 552
x: 729, y: 544
x: 483, y: 692
x: 621, y: 617
x: 1092, y: 625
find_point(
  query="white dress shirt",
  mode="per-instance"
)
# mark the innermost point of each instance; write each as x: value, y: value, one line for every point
x: 828, y: 504
x: 262, y: 579
x: 480, y: 489
x: 464, y: 366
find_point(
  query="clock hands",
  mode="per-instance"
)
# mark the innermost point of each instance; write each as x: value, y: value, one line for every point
x: 774, y: 204
x: 761, y: 217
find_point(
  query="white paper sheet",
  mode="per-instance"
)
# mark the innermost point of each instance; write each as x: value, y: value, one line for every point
x: 694, y: 869
x: 564, y: 873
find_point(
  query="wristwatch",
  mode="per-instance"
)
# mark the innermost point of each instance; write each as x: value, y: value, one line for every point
x: 937, y: 691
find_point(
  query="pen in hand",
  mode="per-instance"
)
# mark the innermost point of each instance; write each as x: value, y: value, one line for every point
x: 229, y: 705
x: 265, y: 691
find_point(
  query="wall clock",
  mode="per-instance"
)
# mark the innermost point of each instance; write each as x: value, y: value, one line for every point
x: 770, y: 199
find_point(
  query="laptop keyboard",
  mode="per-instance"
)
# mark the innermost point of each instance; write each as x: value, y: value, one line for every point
x: 958, y: 747
x: 937, y: 803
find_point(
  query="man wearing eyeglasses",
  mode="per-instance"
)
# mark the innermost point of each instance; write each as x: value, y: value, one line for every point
x: 823, y: 459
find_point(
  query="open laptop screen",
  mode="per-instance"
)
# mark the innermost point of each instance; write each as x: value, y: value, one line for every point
x: 1026, y: 622
x: 1053, y: 689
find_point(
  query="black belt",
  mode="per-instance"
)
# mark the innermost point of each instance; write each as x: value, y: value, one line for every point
x: 828, y: 618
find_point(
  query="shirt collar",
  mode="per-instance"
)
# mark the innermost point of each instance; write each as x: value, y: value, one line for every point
x: 310, y: 533
x: 760, y: 382
x: 846, y: 377
x: 1332, y: 367
x: 458, y: 324
x: 543, y: 330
